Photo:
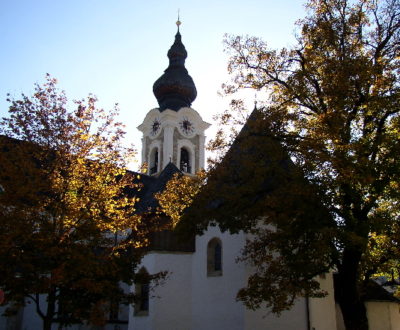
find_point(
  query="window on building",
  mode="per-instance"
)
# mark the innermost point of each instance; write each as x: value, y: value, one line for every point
x: 185, y: 165
x: 142, y: 291
x: 114, y: 310
x: 214, y: 257
x: 154, y: 161
x: 144, y: 297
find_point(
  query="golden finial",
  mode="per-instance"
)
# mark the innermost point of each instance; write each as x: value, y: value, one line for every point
x: 178, y: 22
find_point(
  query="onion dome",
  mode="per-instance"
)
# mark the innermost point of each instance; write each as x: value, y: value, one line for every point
x: 175, y: 88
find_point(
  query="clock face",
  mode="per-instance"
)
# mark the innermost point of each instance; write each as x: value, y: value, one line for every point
x: 155, y: 127
x: 186, y: 126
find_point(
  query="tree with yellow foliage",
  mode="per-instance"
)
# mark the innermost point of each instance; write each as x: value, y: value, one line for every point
x: 69, y: 234
x: 178, y: 194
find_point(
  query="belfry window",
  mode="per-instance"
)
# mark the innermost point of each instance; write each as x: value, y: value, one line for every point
x: 214, y: 257
x: 185, y: 161
x: 154, y: 161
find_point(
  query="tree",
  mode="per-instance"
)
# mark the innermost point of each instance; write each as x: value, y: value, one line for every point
x: 178, y: 194
x: 332, y: 107
x: 69, y: 234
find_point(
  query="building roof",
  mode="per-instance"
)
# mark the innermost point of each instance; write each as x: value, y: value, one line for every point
x: 255, y: 167
x: 149, y: 186
x: 380, y: 292
x: 377, y: 289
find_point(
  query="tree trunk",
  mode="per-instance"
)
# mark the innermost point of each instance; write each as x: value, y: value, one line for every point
x: 349, y: 297
x: 51, y: 304
x: 354, y: 315
x: 47, y: 322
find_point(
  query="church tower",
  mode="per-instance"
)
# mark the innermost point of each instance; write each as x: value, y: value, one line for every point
x: 174, y: 132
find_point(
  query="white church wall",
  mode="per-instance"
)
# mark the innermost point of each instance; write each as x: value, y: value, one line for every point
x: 383, y: 315
x: 294, y: 319
x: 169, y: 305
x: 322, y: 310
x: 3, y: 319
x: 214, y: 298
x: 30, y: 319
x: 27, y: 319
x: 320, y: 313
x: 13, y: 322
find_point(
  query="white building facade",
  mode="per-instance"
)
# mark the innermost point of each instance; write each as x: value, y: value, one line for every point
x: 191, y: 298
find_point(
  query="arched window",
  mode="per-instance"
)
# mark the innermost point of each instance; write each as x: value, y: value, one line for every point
x: 154, y: 161
x: 214, y: 257
x: 186, y: 156
x: 142, y: 291
x: 185, y: 161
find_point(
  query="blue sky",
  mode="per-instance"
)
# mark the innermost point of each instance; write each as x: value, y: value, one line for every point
x: 116, y: 49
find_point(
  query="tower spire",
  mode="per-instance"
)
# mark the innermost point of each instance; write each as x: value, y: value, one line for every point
x: 175, y: 89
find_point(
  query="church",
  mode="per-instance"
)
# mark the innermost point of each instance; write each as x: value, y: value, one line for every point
x: 203, y: 275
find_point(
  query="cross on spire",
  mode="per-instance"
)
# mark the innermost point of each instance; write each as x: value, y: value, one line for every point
x: 178, y: 22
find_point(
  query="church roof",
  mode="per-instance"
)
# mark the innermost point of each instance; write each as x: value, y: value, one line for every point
x: 381, y: 292
x: 149, y: 186
x: 175, y: 89
x: 255, y: 167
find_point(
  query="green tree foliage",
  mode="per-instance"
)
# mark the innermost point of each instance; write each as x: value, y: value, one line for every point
x: 69, y: 234
x: 332, y: 108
